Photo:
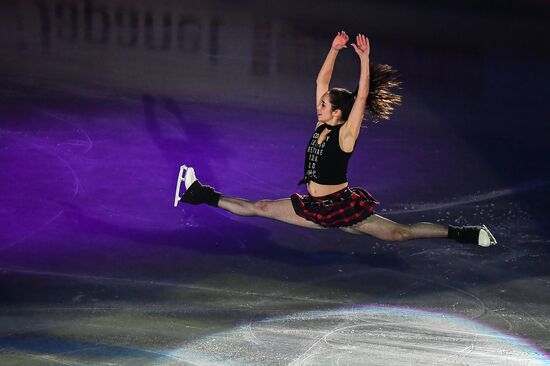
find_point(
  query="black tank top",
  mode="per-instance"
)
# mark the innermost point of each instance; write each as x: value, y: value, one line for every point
x: 326, y: 163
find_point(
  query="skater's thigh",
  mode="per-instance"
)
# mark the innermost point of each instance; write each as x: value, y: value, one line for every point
x: 282, y: 210
x: 375, y: 225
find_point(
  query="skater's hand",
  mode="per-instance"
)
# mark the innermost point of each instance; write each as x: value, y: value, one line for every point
x: 340, y: 41
x: 362, y: 48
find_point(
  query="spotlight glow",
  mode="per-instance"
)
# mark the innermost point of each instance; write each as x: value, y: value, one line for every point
x: 369, y: 335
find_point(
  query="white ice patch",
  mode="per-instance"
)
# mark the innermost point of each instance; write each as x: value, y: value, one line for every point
x: 362, y: 336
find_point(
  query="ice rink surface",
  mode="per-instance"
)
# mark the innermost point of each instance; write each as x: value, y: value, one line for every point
x: 101, y: 102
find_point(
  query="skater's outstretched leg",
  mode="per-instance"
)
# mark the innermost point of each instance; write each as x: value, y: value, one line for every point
x: 386, y: 229
x: 196, y: 193
x: 280, y: 209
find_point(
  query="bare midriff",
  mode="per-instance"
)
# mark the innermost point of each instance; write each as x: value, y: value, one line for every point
x: 319, y: 190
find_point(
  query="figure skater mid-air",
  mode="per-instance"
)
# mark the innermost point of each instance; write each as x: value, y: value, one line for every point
x: 330, y: 202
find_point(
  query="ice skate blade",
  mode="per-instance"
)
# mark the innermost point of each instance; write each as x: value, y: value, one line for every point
x: 486, y: 239
x: 181, y: 175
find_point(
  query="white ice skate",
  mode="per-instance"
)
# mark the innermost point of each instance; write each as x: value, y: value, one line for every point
x: 485, y: 239
x: 186, y: 175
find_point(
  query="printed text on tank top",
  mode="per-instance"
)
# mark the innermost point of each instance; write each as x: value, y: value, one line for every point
x: 322, y: 136
x: 326, y: 131
x: 325, y: 161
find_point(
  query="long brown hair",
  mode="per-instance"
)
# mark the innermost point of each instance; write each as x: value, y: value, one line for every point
x: 381, y: 100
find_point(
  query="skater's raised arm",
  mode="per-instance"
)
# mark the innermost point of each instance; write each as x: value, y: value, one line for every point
x: 350, y: 130
x: 325, y: 74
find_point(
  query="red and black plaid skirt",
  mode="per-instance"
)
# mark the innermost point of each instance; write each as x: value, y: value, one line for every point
x: 343, y: 208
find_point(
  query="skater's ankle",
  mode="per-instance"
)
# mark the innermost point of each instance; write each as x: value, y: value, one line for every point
x: 454, y: 232
x: 213, y: 199
x: 198, y: 194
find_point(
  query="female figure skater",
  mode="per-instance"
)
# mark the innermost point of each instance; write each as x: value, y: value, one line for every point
x: 330, y: 202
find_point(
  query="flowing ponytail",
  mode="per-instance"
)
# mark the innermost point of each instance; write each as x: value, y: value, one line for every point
x: 381, y: 100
